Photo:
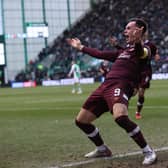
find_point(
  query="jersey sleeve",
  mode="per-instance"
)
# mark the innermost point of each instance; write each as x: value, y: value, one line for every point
x: 106, y: 55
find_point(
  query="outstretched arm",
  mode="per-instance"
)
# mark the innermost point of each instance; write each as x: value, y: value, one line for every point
x: 107, y: 55
x: 75, y: 43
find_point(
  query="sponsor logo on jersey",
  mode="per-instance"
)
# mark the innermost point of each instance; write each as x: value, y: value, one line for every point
x: 124, y: 55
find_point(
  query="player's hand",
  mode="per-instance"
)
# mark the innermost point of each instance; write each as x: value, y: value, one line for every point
x: 75, y: 42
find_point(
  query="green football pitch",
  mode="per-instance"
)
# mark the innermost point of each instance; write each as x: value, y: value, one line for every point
x: 37, y: 127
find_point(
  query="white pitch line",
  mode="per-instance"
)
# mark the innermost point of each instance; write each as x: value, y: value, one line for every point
x: 115, y: 156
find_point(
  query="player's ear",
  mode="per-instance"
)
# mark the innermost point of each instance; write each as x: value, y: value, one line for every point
x: 142, y: 28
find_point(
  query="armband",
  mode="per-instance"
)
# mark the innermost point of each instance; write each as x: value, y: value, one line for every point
x: 145, y: 53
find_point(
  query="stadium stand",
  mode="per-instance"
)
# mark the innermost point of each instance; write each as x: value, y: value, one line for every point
x: 106, y: 19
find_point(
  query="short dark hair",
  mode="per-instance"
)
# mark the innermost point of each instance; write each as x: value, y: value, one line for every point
x: 140, y: 23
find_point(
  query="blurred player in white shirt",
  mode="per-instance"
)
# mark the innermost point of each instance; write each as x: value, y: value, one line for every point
x: 75, y: 72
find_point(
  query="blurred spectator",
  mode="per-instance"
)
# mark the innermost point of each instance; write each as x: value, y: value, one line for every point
x: 93, y: 30
x: 104, y: 69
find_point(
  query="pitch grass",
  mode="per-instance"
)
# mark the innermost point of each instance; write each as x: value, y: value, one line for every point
x: 37, y: 127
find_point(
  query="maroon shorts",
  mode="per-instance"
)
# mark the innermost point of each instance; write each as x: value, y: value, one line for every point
x: 145, y: 81
x: 106, y: 95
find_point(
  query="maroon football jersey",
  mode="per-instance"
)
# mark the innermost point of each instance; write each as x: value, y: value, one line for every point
x: 125, y: 66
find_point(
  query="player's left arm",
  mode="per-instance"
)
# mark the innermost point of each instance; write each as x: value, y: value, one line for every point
x: 142, y: 51
x: 146, y: 52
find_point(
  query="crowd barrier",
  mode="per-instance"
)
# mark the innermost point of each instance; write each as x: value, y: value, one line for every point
x: 68, y: 81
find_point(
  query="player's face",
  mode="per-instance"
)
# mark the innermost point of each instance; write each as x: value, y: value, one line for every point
x: 129, y: 32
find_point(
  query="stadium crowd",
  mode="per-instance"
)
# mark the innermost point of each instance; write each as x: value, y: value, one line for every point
x: 105, y: 19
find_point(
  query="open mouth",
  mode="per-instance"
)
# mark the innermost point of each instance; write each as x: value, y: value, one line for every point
x: 126, y: 37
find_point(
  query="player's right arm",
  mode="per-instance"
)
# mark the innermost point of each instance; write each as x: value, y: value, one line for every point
x: 107, y: 55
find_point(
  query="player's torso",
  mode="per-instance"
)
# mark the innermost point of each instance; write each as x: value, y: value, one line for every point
x: 126, y: 65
